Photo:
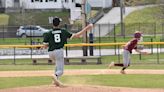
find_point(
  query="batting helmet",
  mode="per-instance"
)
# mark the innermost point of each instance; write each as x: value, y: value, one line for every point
x: 56, y: 21
x: 137, y: 35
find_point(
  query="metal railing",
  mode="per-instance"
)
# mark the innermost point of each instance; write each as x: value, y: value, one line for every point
x: 16, y: 52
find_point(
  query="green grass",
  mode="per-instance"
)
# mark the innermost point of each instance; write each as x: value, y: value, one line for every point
x: 134, y: 81
x: 68, y: 67
x: 23, y: 82
x: 4, y: 19
x: 36, y: 18
x: 145, y: 16
x: 142, y: 2
x: 147, y: 20
x: 145, y: 62
x: 21, y: 61
x: 20, y: 41
x: 25, y: 67
x: 24, y: 41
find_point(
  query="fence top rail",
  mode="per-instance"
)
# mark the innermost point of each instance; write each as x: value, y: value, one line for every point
x: 81, y: 44
x: 111, y: 44
x: 20, y: 46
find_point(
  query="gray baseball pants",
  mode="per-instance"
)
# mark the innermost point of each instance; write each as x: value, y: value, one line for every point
x: 126, y: 58
x: 58, y: 56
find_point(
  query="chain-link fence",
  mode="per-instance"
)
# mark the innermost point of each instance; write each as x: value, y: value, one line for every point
x: 26, y: 55
x: 112, y: 33
x: 101, y: 32
x: 28, y: 34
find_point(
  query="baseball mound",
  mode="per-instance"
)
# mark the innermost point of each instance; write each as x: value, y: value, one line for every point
x: 78, y: 88
x: 51, y: 88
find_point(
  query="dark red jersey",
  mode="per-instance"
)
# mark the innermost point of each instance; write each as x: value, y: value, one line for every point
x: 132, y: 44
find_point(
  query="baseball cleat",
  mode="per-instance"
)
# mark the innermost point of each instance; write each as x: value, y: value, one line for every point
x: 61, y: 85
x: 57, y: 82
x: 122, y: 72
x: 111, y: 65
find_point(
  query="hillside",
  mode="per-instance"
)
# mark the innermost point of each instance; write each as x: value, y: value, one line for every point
x: 4, y: 19
x: 36, y: 18
x: 148, y: 20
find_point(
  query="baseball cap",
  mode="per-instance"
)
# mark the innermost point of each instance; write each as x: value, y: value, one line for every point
x: 56, y: 21
x: 137, y: 34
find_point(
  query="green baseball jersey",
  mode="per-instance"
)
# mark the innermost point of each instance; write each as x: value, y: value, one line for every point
x: 56, y: 38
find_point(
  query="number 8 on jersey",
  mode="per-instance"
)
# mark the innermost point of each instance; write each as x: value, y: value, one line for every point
x: 57, y: 38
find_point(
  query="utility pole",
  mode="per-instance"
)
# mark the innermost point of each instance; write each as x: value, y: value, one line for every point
x: 85, y: 49
x: 121, y: 15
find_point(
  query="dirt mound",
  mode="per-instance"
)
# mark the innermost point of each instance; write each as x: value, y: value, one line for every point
x: 79, y: 88
x: 52, y: 88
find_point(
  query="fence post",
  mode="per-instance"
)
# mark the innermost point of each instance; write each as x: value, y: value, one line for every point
x: 14, y: 57
x: 114, y: 33
x: 91, y: 41
x: 155, y: 30
x: 151, y: 45
x: 66, y: 48
x: 109, y: 25
x: 118, y: 54
x: 31, y: 34
x: 66, y: 51
x: 115, y: 38
x: 3, y: 32
x: 99, y: 41
x: 162, y: 31
x: 140, y: 56
x: 157, y: 54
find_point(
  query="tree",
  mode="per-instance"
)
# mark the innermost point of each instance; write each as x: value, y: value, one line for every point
x: 161, y: 9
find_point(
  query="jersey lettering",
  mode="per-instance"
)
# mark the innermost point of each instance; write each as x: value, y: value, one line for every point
x: 57, y: 38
